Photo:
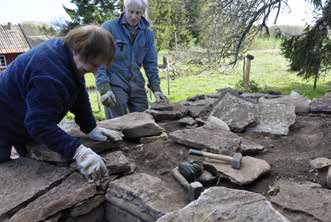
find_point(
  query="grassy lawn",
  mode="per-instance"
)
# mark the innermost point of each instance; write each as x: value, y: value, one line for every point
x: 269, y: 70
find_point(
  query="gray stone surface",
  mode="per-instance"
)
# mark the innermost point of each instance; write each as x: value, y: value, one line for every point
x: 254, y: 97
x: 236, y: 112
x: 215, y: 140
x: 275, y: 118
x: 215, y: 123
x: 178, y: 111
x: 134, y: 125
x: 114, y: 213
x: 306, y: 197
x: 117, y: 163
x: 200, y: 106
x: 251, y: 169
x: 70, y: 192
x: 320, y: 162
x: 301, y: 103
x: 24, y: 179
x: 143, y: 196
x: 321, y: 105
x: 96, y: 215
x: 186, y: 121
x: 223, y: 204
x: 87, y: 206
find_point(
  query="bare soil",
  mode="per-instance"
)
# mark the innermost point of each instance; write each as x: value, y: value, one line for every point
x: 289, y: 156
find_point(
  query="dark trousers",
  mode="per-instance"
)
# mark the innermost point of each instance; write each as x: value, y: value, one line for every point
x: 127, y: 102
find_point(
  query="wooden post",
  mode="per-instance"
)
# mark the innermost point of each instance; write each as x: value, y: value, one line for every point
x: 249, y: 58
x: 167, y: 66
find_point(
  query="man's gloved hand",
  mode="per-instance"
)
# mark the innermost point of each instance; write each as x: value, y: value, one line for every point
x: 107, y: 96
x: 102, y: 134
x: 160, y: 97
x: 108, y: 99
x: 90, y: 164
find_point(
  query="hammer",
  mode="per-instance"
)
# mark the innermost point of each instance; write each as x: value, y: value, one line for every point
x: 235, y: 160
x: 193, y: 189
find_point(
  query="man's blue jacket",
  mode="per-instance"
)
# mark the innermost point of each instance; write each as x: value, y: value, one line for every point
x: 130, y: 56
x: 36, y: 91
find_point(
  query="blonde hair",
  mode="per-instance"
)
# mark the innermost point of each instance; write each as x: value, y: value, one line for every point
x: 92, y: 43
x: 136, y: 4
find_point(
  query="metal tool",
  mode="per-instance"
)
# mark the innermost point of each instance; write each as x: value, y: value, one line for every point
x: 235, y: 160
x: 193, y: 189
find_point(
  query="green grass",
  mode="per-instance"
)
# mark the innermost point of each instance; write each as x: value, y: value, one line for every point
x: 269, y: 70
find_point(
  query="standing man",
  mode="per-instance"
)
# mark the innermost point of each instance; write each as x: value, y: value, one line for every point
x: 40, y: 86
x: 122, y: 86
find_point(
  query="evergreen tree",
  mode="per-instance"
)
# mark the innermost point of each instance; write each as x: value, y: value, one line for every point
x: 310, y: 52
x: 88, y: 12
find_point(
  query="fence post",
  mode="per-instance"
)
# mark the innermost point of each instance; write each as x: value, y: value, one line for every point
x: 249, y: 58
x: 167, y: 66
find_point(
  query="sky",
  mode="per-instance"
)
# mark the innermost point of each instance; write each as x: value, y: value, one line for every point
x: 18, y: 11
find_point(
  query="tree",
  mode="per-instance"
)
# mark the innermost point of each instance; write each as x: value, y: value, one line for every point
x: 89, y: 11
x: 168, y: 19
x: 310, y: 52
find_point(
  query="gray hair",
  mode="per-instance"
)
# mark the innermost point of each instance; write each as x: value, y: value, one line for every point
x: 136, y: 4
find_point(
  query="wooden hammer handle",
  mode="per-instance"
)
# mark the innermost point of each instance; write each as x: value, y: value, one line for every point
x: 210, y: 155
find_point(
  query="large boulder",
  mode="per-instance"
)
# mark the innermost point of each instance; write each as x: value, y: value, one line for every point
x: 216, y: 140
x: 305, y: 198
x: 321, y: 105
x: 301, y: 103
x: 275, y: 118
x: 140, y: 197
x: 250, y: 170
x: 236, y: 112
x: 23, y: 180
x: 73, y: 190
x: 224, y: 204
x: 134, y: 125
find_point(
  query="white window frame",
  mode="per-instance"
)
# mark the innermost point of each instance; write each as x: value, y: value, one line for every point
x: 3, y: 63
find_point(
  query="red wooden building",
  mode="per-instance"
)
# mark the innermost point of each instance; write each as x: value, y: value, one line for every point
x: 13, y: 42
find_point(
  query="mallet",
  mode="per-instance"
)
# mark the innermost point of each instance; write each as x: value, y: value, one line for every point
x: 235, y: 160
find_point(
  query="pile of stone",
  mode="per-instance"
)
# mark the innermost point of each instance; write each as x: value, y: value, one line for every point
x: 46, y: 187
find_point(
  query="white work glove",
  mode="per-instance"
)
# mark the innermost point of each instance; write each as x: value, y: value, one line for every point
x: 102, y: 134
x: 108, y: 99
x: 90, y: 164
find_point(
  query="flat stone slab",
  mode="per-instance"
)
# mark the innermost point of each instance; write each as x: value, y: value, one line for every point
x: 199, y: 106
x: 134, y: 125
x: 117, y: 163
x: 320, y: 162
x: 301, y: 103
x: 71, y: 191
x: 236, y: 112
x: 251, y: 169
x: 224, y: 204
x: 275, y: 119
x: 216, y: 140
x: 321, y: 105
x: 176, y: 112
x: 142, y: 196
x: 24, y: 179
x: 306, y: 197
